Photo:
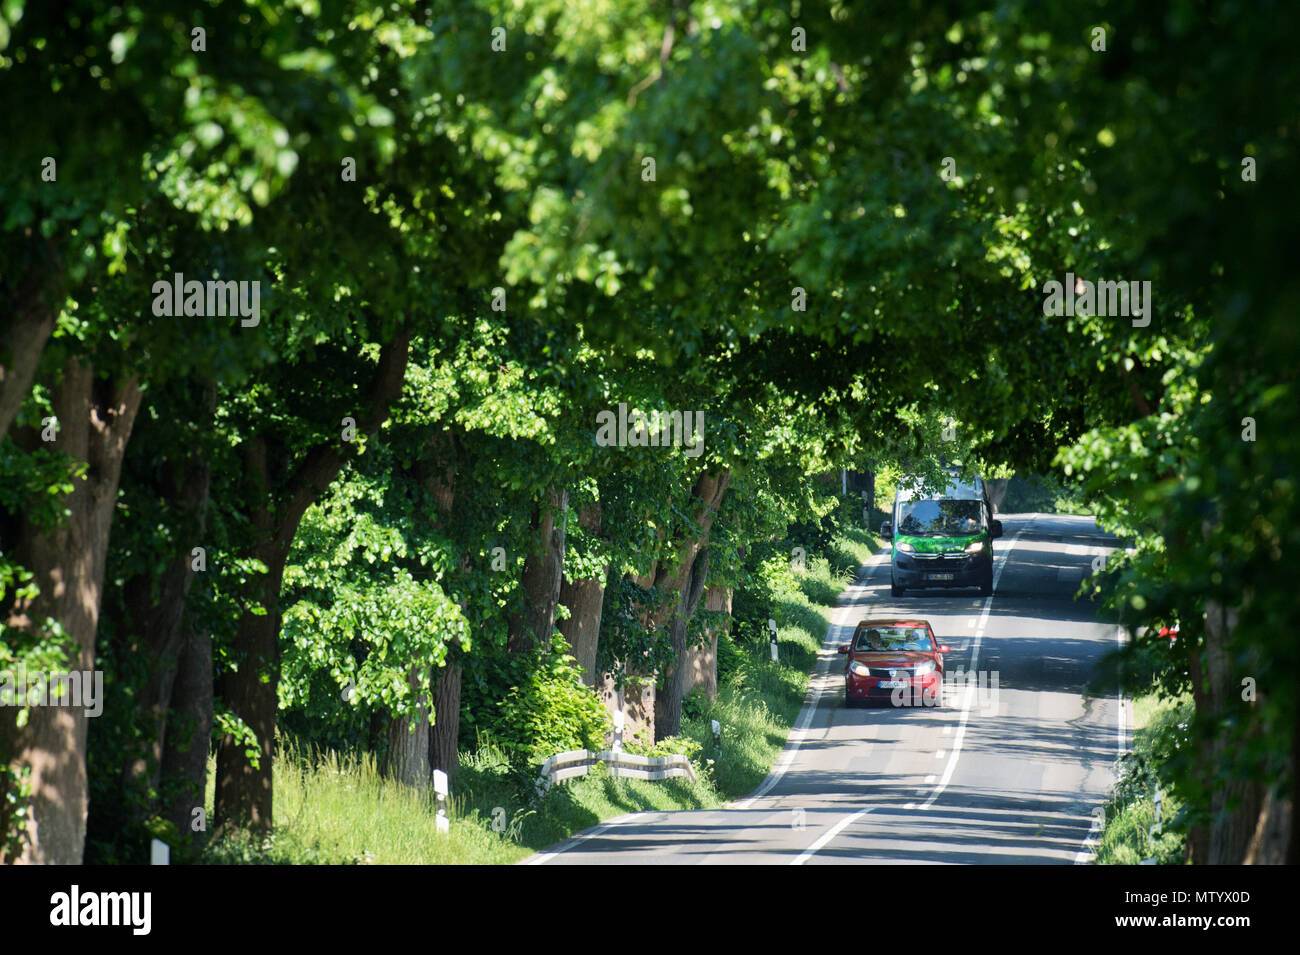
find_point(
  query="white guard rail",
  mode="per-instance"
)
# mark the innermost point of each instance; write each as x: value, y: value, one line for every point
x: 577, y: 762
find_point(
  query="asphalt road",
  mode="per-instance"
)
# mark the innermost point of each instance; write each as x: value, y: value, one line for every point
x: 1009, y: 771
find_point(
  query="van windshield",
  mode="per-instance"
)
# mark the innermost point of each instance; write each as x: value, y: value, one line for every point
x: 940, y: 518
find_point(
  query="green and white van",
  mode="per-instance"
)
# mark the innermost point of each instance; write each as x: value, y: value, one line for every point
x: 942, y: 538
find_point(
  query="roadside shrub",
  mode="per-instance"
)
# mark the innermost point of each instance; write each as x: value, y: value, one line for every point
x: 672, y: 746
x: 730, y: 657
x: 695, y: 705
x: 755, y: 603
x: 549, y: 711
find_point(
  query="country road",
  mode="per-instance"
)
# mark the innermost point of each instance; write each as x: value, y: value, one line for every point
x: 1008, y: 771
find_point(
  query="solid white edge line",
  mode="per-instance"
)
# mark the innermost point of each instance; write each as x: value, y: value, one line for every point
x: 542, y: 858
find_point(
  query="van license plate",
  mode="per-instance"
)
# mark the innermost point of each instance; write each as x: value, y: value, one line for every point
x: 938, y: 576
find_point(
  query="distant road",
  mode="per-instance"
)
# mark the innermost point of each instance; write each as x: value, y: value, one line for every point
x: 1011, y: 776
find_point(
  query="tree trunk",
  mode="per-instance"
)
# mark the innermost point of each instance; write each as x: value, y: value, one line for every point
x: 33, y: 307
x: 671, y: 579
x: 443, y: 752
x: 997, y: 488
x: 702, y: 662
x: 1272, y: 837
x: 96, y: 418
x: 407, y: 758
x: 668, y: 711
x: 543, y: 572
x: 585, y: 601
x: 869, y: 490
x: 189, y: 730
x: 249, y: 687
x: 158, y: 619
x: 244, y: 784
x: 1198, y: 835
x: 1236, y: 806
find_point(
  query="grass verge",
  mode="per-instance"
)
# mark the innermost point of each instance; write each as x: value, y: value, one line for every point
x: 1129, y: 835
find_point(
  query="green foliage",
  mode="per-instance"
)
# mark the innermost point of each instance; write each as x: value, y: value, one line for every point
x: 15, y: 793
x: 770, y: 582
x: 548, y: 711
x: 695, y: 702
x: 671, y: 746
x: 365, y: 609
x: 730, y: 659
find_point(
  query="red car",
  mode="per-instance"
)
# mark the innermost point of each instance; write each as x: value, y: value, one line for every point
x: 895, y: 660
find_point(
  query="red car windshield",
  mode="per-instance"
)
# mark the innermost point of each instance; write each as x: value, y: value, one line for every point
x: 886, y: 639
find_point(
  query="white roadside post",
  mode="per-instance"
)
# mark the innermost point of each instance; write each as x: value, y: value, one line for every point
x: 717, y: 736
x: 1153, y: 831
x: 618, y: 731
x: 771, y: 625
x: 440, y: 791
x: 159, y: 853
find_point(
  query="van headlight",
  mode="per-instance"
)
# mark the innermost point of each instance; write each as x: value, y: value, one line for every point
x: 906, y: 548
x: 975, y: 547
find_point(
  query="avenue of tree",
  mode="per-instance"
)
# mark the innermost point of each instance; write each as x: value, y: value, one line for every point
x: 477, y: 226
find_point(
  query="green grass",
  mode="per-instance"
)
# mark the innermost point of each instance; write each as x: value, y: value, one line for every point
x: 1130, y: 814
x: 332, y: 809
